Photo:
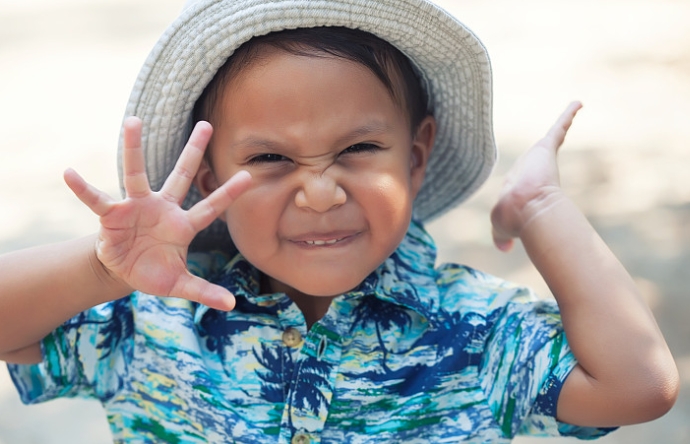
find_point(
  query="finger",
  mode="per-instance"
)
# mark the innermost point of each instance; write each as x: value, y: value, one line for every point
x: 177, y: 184
x: 133, y: 165
x: 193, y: 288
x: 556, y: 134
x: 206, y: 211
x: 98, y: 201
x: 502, y: 239
x: 502, y: 242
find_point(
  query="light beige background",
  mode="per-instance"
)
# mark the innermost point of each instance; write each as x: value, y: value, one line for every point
x: 66, y: 68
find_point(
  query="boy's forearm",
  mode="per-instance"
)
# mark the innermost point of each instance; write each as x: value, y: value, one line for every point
x: 42, y: 287
x: 609, y: 326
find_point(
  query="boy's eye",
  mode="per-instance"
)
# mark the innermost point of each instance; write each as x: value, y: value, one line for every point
x: 360, y: 148
x: 266, y: 158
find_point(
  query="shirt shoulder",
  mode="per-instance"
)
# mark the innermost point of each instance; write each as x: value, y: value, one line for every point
x: 467, y: 289
x: 525, y: 355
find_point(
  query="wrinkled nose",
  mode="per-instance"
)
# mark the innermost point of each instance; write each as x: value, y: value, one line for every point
x: 320, y: 192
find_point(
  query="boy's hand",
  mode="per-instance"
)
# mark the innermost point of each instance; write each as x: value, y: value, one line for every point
x: 532, y: 184
x: 143, y: 239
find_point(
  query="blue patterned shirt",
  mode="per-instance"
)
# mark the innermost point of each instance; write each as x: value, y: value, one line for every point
x: 413, y: 355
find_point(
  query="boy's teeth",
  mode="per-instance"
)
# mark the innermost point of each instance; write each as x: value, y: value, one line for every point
x: 322, y: 242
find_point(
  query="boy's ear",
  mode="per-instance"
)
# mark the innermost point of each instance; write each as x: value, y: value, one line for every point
x: 422, y: 144
x: 205, y: 181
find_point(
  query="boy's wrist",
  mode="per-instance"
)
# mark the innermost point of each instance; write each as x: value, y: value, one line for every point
x: 557, y: 229
x: 113, y: 287
x: 542, y: 209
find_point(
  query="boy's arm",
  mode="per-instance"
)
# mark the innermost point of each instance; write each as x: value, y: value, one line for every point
x: 42, y: 287
x: 625, y: 372
x: 142, y: 244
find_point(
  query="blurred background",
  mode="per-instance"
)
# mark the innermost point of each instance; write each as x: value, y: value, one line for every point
x: 67, y: 66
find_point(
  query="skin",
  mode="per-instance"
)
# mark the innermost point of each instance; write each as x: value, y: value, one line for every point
x: 316, y: 192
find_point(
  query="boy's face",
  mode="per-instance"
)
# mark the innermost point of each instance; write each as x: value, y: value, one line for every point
x: 335, y: 170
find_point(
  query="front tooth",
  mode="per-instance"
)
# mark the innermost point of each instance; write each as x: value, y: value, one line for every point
x: 321, y: 242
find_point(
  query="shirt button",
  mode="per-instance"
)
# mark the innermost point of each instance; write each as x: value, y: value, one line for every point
x: 292, y: 338
x: 300, y: 438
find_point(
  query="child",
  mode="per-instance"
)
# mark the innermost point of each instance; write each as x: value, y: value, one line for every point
x: 336, y: 128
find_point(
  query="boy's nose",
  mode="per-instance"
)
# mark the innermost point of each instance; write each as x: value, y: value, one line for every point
x: 320, y: 192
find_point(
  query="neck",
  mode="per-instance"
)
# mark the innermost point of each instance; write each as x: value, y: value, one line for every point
x: 313, y: 308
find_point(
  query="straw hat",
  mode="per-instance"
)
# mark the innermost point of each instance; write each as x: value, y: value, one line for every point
x: 450, y: 60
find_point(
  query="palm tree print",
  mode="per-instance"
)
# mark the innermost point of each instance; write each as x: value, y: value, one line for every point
x: 308, y: 390
x: 276, y: 362
x: 119, y: 326
x: 217, y: 331
x: 384, y: 316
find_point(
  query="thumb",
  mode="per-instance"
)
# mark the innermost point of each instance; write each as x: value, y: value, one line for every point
x: 199, y: 290
x: 502, y: 241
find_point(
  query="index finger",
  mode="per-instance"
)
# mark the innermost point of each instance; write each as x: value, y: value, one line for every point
x: 556, y: 135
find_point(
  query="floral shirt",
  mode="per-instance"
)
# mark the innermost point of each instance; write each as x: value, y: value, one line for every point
x: 414, y: 355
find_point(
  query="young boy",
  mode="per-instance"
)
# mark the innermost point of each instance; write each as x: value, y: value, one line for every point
x: 333, y: 129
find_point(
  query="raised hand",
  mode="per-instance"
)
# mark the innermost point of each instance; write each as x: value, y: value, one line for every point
x: 532, y: 184
x: 143, y: 239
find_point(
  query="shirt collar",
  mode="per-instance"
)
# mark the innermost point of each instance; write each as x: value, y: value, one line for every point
x: 406, y: 278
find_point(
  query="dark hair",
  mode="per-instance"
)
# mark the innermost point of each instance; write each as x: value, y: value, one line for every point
x: 389, y: 65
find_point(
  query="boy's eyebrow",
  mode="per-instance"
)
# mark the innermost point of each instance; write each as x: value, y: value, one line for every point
x: 255, y: 142
x: 373, y: 127
x: 370, y: 128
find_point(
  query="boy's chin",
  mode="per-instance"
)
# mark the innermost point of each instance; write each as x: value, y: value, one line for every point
x: 322, y: 291
x: 314, y: 289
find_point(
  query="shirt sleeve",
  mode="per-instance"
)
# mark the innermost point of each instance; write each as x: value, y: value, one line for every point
x: 81, y: 358
x: 526, y: 364
x: 88, y: 355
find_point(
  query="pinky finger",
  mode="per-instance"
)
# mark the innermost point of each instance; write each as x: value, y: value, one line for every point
x: 98, y: 201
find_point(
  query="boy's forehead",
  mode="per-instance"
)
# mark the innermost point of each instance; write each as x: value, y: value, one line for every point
x: 284, y: 95
x: 392, y: 69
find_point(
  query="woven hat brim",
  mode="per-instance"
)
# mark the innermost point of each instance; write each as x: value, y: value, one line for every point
x: 452, y: 62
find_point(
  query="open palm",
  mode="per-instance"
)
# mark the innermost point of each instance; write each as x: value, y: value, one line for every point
x: 143, y: 239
